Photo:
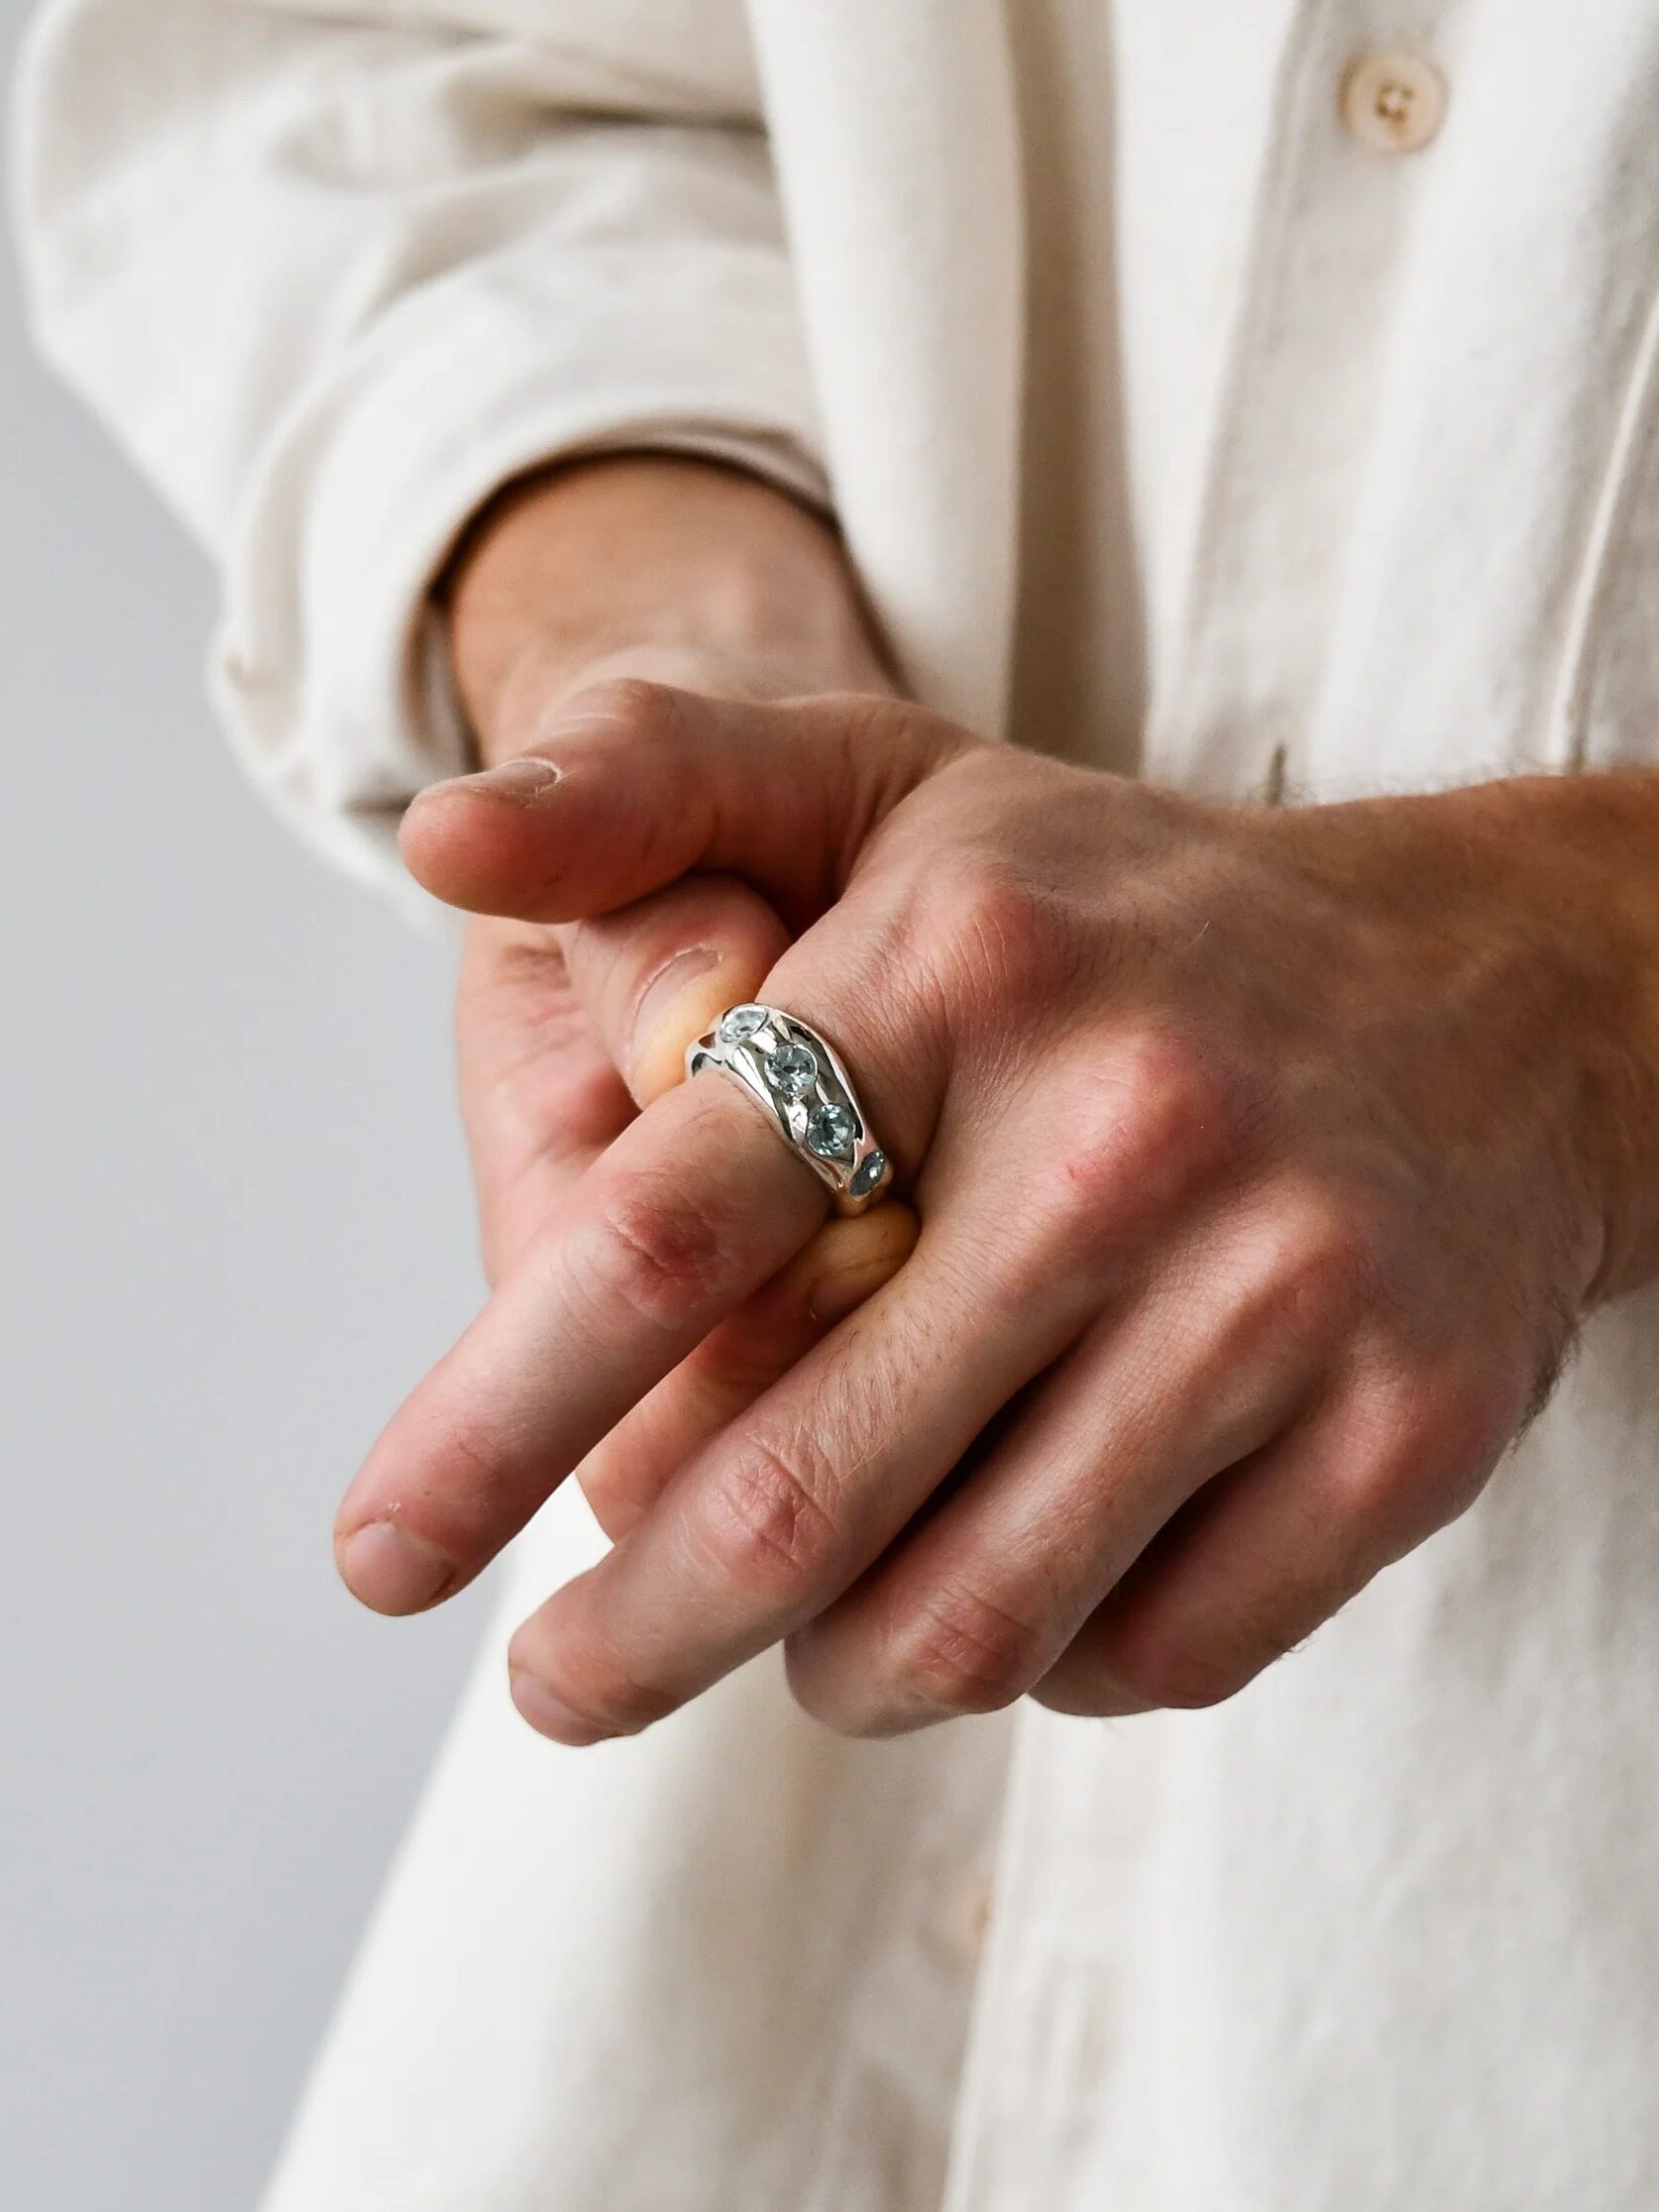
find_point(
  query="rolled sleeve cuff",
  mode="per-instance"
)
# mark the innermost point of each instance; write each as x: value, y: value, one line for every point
x: 328, y: 667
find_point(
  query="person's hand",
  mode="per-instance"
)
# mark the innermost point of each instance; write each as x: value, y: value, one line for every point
x: 641, y: 565
x: 1264, y: 1161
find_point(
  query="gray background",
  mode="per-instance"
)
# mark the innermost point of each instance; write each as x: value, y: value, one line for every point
x: 236, y: 1228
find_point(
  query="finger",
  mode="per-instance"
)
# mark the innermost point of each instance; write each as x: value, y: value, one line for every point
x: 774, y: 1520
x: 974, y: 1606
x: 695, y: 1206
x: 638, y: 785
x: 846, y: 1263
x: 1267, y: 1554
x: 656, y: 974
x: 539, y: 1094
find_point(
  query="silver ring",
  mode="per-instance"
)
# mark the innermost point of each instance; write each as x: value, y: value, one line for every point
x: 797, y: 1076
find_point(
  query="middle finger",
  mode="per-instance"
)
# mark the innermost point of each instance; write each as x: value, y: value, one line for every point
x: 773, y: 1521
x: 846, y: 1263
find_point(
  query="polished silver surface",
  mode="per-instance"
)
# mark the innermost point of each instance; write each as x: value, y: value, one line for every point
x: 796, y: 1074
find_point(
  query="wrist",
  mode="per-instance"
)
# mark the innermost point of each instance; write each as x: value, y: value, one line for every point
x: 683, y: 570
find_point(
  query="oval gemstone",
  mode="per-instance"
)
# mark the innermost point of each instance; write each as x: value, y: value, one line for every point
x: 867, y: 1175
x: 792, y: 1070
x: 830, y: 1132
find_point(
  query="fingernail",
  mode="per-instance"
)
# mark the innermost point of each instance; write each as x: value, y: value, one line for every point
x: 524, y: 782
x: 550, y: 1715
x: 664, y: 988
x: 393, y: 1571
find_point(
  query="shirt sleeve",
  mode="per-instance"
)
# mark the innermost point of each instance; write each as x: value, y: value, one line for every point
x: 333, y: 280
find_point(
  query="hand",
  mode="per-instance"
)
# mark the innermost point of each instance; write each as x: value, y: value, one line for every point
x: 1265, y: 1159
x: 534, y: 615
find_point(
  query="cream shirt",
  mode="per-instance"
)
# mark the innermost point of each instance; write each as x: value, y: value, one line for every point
x: 1259, y: 392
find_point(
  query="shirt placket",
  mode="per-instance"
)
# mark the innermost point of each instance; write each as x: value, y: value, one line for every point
x: 1046, y: 2014
x: 1361, y: 97
x: 1362, y: 93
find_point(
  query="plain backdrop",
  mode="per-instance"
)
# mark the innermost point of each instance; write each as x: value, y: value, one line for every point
x: 236, y: 1228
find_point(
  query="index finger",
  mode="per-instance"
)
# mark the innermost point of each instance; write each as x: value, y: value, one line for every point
x: 688, y: 1212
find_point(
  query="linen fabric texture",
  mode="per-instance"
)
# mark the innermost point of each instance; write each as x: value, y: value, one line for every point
x: 1173, y: 425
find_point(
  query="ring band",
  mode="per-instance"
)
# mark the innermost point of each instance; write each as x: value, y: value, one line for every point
x: 797, y: 1076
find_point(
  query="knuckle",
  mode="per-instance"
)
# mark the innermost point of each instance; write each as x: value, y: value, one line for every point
x: 1162, y: 1668
x: 660, y: 1250
x: 965, y: 1652
x: 767, y: 1530
x: 1425, y: 1450
x: 1374, y: 1501
x: 1477, y: 1411
x: 1362, y: 1496
x: 1159, y: 1115
x: 1322, y: 1260
x: 601, y: 1692
x: 989, y: 928
x: 630, y: 705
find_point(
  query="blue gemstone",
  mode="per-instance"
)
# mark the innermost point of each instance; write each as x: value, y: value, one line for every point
x: 792, y: 1070
x: 741, y: 1023
x: 867, y: 1175
x: 830, y: 1132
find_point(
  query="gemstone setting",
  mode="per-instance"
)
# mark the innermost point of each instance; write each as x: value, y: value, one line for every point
x: 740, y: 1023
x: 830, y: 1132
x: 792, y: 1070
x: 867, y: 1174
x: 793, y: 1075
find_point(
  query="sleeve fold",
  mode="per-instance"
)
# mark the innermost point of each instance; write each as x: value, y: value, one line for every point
x: 332, y: 284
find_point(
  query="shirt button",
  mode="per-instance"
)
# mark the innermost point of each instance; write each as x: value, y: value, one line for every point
x: 1394, y: 103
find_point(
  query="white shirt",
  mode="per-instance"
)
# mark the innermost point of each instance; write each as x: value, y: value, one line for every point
x: 1261, y: 392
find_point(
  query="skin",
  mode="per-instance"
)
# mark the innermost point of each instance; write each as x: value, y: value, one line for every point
x: 1266, y: 1161
x: 716, y: 581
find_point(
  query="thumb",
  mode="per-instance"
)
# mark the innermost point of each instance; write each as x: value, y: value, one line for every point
x: 635, y: 784
x: 656, y: 974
